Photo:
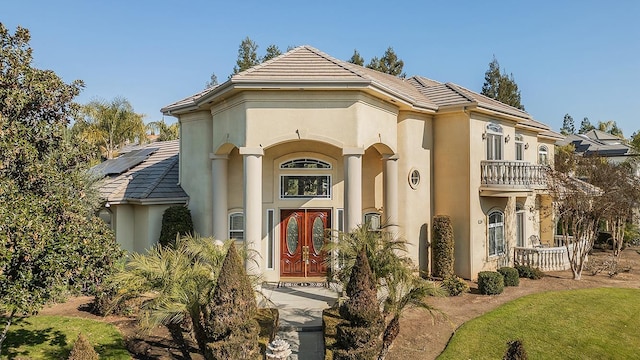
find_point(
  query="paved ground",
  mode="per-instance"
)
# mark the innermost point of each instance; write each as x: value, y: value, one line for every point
x: 301, y: 317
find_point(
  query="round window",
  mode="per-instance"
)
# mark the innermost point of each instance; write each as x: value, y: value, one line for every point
x: 414, y: 178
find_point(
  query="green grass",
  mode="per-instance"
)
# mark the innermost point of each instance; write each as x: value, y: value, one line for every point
x: 52, y: 337
x: 577, y: 324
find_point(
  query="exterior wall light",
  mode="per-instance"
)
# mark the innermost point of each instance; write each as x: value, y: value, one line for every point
x: 526, y: 146
x: 507, y: 138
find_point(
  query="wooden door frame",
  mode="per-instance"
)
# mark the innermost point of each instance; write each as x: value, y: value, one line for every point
x: 282, y: 230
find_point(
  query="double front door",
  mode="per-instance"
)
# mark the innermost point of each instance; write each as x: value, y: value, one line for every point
x: 302, y: 235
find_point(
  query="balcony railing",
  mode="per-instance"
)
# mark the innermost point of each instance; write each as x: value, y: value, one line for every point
x: 544, y: 258
x: 513, y: 174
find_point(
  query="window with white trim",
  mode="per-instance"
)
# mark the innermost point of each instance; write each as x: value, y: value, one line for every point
x: 494, y: 140
x: 496, y: 233
x: 236, y: 226
x: 543, y: 155
x: 310, y: 179
x: 373, y: 219
x: 519, y: 141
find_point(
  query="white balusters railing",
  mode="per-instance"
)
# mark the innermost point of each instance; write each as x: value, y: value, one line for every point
x: 512, y: 173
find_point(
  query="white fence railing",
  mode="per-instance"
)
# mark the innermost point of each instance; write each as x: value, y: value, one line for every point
x: 544, y: 258
x: 512, y: 173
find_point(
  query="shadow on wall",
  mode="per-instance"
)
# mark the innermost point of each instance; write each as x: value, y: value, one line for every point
x: 423, y: 251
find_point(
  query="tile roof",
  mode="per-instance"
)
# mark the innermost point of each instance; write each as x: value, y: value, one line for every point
x: 593, y: 144
x: 153, y: 179
x: 309, y: 67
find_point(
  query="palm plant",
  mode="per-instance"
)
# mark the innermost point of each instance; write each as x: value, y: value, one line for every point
x: 178, y: 280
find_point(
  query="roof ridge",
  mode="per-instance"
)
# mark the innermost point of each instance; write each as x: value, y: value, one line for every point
x: 343, y: 64
x: 173, y: 159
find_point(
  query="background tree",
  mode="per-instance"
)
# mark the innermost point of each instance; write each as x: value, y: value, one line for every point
x: 585, y: 126
x: 272, y: 51
x: 165, y: 132
x: 610, y: 127
x: 500, y: 86
x: 356, y: 58
x: 213, y: 81
x: 51, y: 242
x: 568, y: 125
x: 108, y: 126
x: 389, y: 63
x: 247, y: 56
x: 634, y: 141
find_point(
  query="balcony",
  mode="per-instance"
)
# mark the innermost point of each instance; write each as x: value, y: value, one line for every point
x: 509, y: 176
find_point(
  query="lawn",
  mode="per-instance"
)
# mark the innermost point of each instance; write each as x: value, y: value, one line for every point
x: 596, y: 323
x: 52, y: 337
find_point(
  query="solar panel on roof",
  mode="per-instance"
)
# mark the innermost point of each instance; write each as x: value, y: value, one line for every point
x: 123, y: 163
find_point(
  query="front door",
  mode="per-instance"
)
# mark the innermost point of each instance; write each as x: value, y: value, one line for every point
x: 302, y: 235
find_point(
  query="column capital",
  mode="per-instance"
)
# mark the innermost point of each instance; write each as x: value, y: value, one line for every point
x: 251, y: 151
x: 213, y: 156
x: 393, y: 157
x: 352, y: 151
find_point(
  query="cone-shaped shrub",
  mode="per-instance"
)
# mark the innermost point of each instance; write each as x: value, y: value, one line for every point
x: 360, y: 338
x: 176, y: 220
x: 228, y: 320
x: 515, y: 351
x: 83, y: 350
x: 443, y: 245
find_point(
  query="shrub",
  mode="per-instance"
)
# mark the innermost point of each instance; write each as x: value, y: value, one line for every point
x: 443, y: 245
x: 228, y: 321
x: 490, y: 282
x: 454, y: 285
x: 511, y: 276
x: 360, y: 338
x: 529, y: 272
x: 515, y: 351
x: 176, y: 221
x: 83, y: 350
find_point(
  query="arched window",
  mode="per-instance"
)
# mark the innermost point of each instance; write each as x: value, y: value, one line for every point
x: 236, y: 226
x: 496, y: 233
x: 305, y: 164
x: 519, y: 140
x: 494, y: 138
x: 543, y: 155
x: 305, y: 178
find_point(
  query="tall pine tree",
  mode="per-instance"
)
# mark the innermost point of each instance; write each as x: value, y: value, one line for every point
x: 500, y: 86
x: 585, y: 126
x: 389, y: 63
x: 247, y: 56
x: 568, y: 126
x: 356, y: 58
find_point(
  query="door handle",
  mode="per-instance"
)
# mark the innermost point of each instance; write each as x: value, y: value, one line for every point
x: 305, y: 254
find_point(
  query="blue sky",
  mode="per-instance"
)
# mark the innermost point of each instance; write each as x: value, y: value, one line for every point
x: 576, y: 57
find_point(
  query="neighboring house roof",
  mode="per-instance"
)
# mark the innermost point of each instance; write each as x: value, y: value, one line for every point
x: 598, y: 143
x: 311, y: 68
x: 146, y: 175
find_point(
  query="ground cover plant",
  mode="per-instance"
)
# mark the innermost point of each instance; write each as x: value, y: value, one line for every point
x: 556, y: 325
x: 53, y: 337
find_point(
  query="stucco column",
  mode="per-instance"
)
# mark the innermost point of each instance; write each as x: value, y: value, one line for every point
x: 352, y: 187
x: 252, y: 207
x: 390, y: 196
x: 219, y: 190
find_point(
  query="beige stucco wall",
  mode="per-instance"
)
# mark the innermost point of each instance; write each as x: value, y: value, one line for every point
x: 137, y: 227
x: 195, y: 176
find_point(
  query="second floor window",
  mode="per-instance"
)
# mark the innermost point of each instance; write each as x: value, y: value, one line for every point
x: 519, y: 140
x: 543, y: 155
x: 494, y: 141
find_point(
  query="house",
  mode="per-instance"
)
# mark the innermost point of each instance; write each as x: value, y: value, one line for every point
x: 601, y: 144
x: 137, y: 187
x: 306, y: 142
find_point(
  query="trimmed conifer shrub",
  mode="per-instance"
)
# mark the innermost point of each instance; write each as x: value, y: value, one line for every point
x: 229, y: 319
x: 511, y: 276
x: 176, y: 221
x: 83, y: 350
x: 455, y: 286
x: 360, y: 337
x: 529, y: 272
x: 443, y: 246
x: 490, y: 283
x: 515, y: 351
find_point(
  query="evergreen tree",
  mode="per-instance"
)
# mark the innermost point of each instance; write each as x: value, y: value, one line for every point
x: 50, y: 239
x: 247, y: 56
x: 272, y: 51
x: 389, y: 63
x: 635, y: 140
x: 228, y: 321
x: 585, y: 126
x: 356, y: 58
x: 568, y: 126
x: 360, y: 338
x: 610, y: 127
x: 500, y: 86
x: 213, y: 81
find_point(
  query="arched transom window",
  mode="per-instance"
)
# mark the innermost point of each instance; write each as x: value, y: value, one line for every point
x: 305, y: 178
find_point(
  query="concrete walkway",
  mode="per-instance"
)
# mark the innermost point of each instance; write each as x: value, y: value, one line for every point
x: 300, y: 311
